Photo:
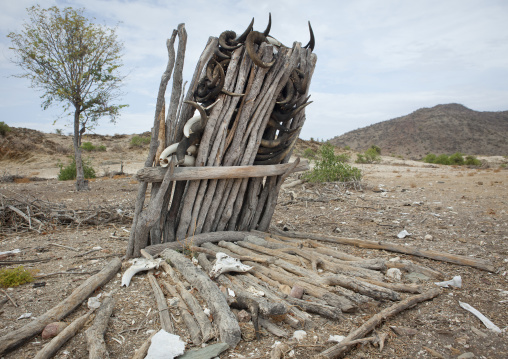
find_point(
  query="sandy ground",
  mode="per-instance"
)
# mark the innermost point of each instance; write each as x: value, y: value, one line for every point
x: 458, y: 210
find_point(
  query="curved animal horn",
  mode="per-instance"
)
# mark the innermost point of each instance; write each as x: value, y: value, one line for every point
x: 166, y: 153
x: 220, y: 55
x: 276, y: 157
x: 199, y: 93
x: 232, y: 94
x: 279, y: 140
x: 256, y: 37
x: 189, y: 123
x: 312, y: 41
x: 267, y: 30
x: 202, y: 112
x: 243, y: 36
x: 228, y: 36
x: 290, y: 91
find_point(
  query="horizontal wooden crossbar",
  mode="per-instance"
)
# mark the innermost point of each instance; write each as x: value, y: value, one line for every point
x: 156, y: 174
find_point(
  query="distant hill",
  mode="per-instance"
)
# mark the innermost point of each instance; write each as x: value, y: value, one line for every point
x: 441, y: 129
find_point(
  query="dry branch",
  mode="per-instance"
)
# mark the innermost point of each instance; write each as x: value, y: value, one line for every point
x: 162, y: 305
x: 62, y: 309
x: 229, y: 328
x: 339, y: 349
x: 52, y: 347
x: 156, y: 174
x: 95, y: 334
x: 392, y: 247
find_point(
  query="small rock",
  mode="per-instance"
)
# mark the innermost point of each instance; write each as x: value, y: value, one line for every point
x: 428, y: 237
x: 243, y: 316
x: 296, y: 292
x: 286, y: 289
x: 394, y: 273
x: 53, y: 329
x: 415, y: 277
x: 467, y: 355
x: 404, y: 330
x: 93, y: 303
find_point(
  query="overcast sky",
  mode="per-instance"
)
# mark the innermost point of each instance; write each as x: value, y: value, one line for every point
x: 377, y: 59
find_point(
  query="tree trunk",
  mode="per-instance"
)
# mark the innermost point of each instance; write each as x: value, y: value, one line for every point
x: 81, y: 183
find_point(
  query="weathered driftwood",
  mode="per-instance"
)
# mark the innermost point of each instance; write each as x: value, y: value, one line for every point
x: 56, y: 343
x: 162, y: 305
x: 338, y: 350
x: 199, y: 314
x: 400, y: 287
x: 95, y: 334
x: 392, y: 247
x: 62, y: 309
x: 197, y: 240
x: 156, y: 174
x: 273, y: 328
x: 229, y: 328
x: 190, y: 323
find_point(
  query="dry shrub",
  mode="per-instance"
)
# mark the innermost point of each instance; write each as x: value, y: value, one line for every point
x: 413, y: 185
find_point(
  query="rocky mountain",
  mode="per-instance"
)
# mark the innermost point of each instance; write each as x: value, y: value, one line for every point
x: 441, y: 129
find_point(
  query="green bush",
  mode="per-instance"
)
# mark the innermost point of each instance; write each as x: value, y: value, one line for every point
x: 12, y: 277
x: 472, y: 161
x: 430, y: 158
x: 309, y: 153
x: 442, y: 160
x: 88, y: 146
x: 329, y: 168
x: 4, y: 128
x: 347, y: 148
x: 69, y: 172
x: 457, y: 159
x: 376, y: 148
x: 139, y: 141
x: 59, y: 131
x: 369, y: 156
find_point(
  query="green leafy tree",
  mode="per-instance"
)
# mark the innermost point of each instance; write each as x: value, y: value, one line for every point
x: 330, y: 167
x: 74, y: 62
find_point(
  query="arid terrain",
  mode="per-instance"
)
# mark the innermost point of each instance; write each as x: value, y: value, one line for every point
x: 458, y: 210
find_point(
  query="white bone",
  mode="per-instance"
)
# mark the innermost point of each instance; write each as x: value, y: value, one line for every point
x: 454, y: 282
x: 138, y: 265
x: 225, y: 263
x: 480, y: 316
x: 187, y: 127
x: 192, y: 150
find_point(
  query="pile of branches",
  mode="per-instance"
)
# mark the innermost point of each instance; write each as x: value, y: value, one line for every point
x: 33, y: 214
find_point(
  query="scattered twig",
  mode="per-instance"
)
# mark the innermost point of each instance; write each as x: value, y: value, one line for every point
x: 8, y: 296
x: 57, y: 273
x: 66, y: 247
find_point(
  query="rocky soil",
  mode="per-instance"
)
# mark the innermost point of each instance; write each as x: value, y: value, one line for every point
x: 457, y: 210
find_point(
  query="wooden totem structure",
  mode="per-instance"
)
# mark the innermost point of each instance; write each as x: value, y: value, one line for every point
x: 221, y: 169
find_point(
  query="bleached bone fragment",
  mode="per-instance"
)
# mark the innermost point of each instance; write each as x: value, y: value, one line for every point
x: 403, y: 234
x: 165, y: 346
x: 225, y: 263
x: 299, y: 335
x: 139, y: 265
x: 454, y: 282
x: 480, y: 316
x: 192, y: 150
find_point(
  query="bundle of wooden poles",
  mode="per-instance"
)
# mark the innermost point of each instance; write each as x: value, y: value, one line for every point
x: 250, y: 92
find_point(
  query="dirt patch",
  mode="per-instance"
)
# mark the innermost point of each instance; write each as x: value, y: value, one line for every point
x: 456, y: 210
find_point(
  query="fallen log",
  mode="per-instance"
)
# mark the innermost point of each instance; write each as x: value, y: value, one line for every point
x: 197, y: 240
x: 95, y: 334
x: 52, y: 347
x: 392, y: 247
x: 162, y: 305
x: 156, y: 174
x: 61, y: 310
x: 229, y: 329
x: 338, y: 350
